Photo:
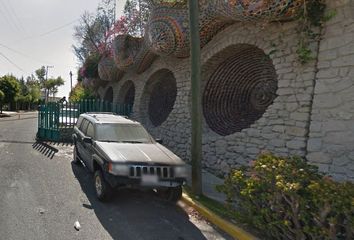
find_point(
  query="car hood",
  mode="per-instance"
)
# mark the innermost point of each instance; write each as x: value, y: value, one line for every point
x: 139, y: 153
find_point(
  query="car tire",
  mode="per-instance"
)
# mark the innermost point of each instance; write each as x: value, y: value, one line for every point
x: 102, y: 188
x: 172, y: 194
x: 76, y: 159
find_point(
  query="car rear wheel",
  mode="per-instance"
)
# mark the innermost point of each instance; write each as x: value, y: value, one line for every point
x: 172, y: 194
x: 102, y: 188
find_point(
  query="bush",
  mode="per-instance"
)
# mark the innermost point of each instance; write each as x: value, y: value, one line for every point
x: 286, y: 198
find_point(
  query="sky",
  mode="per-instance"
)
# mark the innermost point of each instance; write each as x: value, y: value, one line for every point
x: 35, y: 33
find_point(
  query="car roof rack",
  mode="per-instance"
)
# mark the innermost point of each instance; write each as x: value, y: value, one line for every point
x: 101, y: 113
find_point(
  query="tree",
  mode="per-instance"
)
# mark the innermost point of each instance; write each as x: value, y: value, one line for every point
x: 10, y: 86
x: 79, y: 92
x: 91, y: 33
x: 137, y: 15
x: 52, y: 84
x: 41, y: 74
x: 2, y: 96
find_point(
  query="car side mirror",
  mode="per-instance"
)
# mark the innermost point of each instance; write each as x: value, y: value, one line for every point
x: 87, y: 140
x: 158, y: 140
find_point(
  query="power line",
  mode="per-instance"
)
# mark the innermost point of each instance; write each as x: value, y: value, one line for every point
x: 50, y: 31
x: 12, y: 62
x: 15, y: 15
x: 24, y: 55
x: 58, y: 28
x: 7, y: 13
x: 6, y: 18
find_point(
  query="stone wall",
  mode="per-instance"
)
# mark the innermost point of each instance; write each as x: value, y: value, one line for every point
x: 310, y: 115
x: 282, y: 129
x: 331, y: 142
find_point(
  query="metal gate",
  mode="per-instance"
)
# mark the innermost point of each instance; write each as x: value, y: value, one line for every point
x: 54, y: 118
x: 48, y: 124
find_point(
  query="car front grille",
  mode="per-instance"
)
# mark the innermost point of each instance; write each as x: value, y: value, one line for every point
x: 163, y: 172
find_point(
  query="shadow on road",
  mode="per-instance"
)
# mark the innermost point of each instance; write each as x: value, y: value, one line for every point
x: 133, y: 214
x: 45, y: 149
x: 11, y: 119
x: 16, y: 142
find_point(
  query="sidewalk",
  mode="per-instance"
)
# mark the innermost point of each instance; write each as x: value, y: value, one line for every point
x: 209, y: 182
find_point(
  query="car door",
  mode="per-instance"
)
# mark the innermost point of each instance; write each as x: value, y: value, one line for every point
x: 90, y: 132
x: 80, y: 139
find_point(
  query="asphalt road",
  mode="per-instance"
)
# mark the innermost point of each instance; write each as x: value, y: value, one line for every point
x: 42, y: 194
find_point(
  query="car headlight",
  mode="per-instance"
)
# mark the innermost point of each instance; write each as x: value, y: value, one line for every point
x: 180, y: 171
x: 118, y: 169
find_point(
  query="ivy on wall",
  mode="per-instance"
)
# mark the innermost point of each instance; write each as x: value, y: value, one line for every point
x: 312, y: 16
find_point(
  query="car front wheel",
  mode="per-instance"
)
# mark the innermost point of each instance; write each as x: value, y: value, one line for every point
x: 76, y: 159
x: 102, y: 188
x: 172, y: 194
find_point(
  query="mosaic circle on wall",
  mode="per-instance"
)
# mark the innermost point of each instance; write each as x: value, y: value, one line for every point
x: 240, y: 90
x: 127, y: 94
x: 163, y: 91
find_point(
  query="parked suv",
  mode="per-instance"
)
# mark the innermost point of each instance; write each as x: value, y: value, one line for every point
x: 121, y: 153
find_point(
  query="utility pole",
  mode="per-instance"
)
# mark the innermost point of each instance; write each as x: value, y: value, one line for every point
x: 71, y: 81
x: 46, y: 78
x: 196, y: 151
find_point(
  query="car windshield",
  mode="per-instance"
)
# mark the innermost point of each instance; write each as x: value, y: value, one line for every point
x: 128, y: 133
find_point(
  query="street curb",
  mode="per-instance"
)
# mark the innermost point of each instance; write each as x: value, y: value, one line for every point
x: 226, y: 226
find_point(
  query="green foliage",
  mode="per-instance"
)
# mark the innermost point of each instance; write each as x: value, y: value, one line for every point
x: 41, y: 73
x: 79, y: 93
x: 90, y: 68
x: 286, y: 198
x: 2, y: 96
x: 312, y: 15
x: 52, y: 84
x: 10, y: 86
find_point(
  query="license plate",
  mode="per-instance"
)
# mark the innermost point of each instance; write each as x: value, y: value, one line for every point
x: 149, y: 179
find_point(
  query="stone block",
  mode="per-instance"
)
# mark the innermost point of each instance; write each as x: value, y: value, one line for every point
x: 253, y: 150
x: 298, y: 116
x: 328, y: 73
x: 296, y: 131
x: 339, y: 138
x: 319, y: 157
x: 343, y: 61
x: 314, y: 144
x: 329, y: 54
x: 327, y: 101
x: 277, y: 142
x: 342, y: 161
x: 296, y: 144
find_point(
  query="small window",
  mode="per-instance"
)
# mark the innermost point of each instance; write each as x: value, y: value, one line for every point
x: 84, y: 125
x: 90, y: 131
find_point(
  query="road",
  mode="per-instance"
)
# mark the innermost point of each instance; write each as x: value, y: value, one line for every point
x: 42, y: 194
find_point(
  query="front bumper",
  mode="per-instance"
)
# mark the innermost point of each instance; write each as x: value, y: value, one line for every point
x: 122, y: 181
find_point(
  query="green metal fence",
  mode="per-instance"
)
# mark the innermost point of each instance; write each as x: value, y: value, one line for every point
x: 54, y: 117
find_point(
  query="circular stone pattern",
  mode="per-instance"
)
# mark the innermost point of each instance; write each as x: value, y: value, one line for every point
x: 240, y: 90
x: 127, y: 94
x: 163, y: 92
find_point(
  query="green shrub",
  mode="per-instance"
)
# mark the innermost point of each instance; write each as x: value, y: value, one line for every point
x: 286, y: 198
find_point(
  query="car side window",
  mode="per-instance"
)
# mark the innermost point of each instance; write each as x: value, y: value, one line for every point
x: 79, y: 122
x: 83, y: 127
x: 90, y: 131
